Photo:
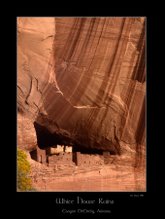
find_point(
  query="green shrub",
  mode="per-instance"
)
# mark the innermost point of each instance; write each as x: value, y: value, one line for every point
x: 23, y: 170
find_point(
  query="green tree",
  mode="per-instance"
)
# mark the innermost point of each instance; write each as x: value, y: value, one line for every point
x: 24, y: 182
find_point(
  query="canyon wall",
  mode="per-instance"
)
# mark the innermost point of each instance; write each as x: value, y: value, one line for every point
x: 81, y: 82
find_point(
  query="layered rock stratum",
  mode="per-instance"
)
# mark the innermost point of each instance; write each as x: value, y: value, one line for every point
x: 81, y: 82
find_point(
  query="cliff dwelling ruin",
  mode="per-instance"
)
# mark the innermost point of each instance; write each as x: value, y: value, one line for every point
x: 50, y: 153
x: 65, y: 155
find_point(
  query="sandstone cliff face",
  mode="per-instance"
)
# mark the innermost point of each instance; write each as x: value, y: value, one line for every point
x: 26, y: 134
x: 81, y: 81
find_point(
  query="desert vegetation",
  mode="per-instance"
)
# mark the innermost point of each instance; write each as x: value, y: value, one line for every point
x: 24, y: 182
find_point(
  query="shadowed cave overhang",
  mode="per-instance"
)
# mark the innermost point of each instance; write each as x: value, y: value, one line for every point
x: 45, y: 139
x: 49, y: 135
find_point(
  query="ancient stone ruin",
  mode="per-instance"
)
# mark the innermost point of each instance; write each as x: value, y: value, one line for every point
x: 63, y: 155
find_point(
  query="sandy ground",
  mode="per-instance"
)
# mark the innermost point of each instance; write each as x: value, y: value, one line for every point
x: 118, y: 176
